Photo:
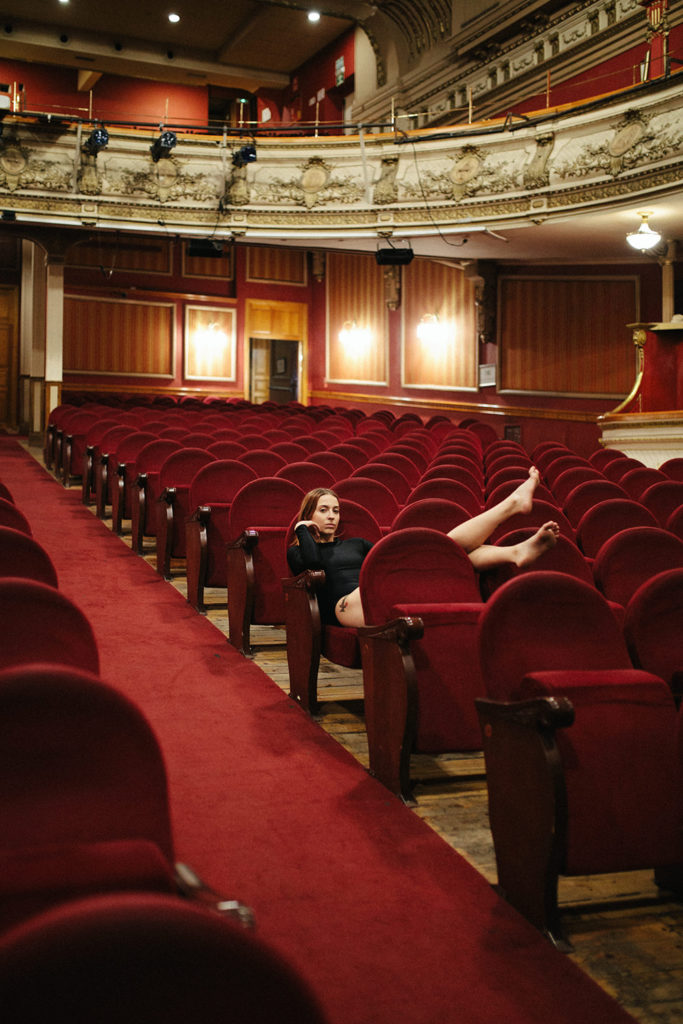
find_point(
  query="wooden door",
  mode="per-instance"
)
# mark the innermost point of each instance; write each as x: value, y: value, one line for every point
x: 284, y: 371
x: 259, y: 374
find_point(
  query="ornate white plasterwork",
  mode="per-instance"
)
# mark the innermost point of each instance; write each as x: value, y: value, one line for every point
x: 345, y: 185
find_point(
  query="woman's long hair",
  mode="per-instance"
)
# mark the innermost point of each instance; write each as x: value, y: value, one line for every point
x: 310, y: 503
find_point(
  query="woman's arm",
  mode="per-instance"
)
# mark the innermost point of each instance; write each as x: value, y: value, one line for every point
x: 305, y: 554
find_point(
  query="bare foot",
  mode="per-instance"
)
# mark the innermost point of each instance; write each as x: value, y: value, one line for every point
x: 529, y: 550
x: 521, y: 499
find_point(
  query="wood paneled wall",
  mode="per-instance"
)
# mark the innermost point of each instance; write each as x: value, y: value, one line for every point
x: 449, y: 358
x: 567, y: 335
x: 118, y: 336
x: 355, y: 295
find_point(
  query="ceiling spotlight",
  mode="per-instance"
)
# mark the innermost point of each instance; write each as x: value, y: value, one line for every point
x: 314, y: 15
x: 644, y: 238
x: 245, y: 155
x: 97, y: 140
x: 162, y: 146
x: 174, y: 18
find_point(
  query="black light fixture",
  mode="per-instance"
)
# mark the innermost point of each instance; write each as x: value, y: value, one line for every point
x: 394, y: 257
x: 162, y: 146
x: 97, y: 140
x: 245, y: 155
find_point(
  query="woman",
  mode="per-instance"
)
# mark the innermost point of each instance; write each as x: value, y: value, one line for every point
x: 318, y: 547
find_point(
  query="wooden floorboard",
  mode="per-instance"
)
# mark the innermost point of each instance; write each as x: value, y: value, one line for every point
x: 624, y: 933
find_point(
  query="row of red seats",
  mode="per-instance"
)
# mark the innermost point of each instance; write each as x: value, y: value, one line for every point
x: 92, y: 901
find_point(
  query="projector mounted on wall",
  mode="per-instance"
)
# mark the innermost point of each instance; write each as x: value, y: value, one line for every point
x: 394, y: 257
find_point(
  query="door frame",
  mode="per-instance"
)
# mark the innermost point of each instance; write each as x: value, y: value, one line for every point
x: 271, y: 319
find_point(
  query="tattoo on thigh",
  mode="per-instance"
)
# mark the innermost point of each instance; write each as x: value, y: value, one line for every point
x: 343, y: 604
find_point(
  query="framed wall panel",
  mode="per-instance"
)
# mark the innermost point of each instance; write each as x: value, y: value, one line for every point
x: 277, y: 266
x: 221, y: 266
x: 113, y: 253
x: 438, y: 328
x: 567, y: 335
x: 357, y: 329
x: 118, y: 336
x: 209, y: 343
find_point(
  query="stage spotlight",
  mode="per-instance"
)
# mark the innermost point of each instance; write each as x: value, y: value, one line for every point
x: 244, y: 155
x: 97, y: 140
x: 162, y: 146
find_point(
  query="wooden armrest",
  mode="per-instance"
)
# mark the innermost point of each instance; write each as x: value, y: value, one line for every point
x: 167, y: 496
x: 246, y: 540
x: 201, y: 514
x: 400, y: 630
x: 310, y: 579
x: 538, y: 712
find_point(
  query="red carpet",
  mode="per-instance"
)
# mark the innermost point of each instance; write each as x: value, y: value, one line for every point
x: 386, y: 921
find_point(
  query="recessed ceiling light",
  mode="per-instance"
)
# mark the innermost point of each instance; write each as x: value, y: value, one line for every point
x: 314, y: 15
x: 174, y: 18
x: 63, y: 1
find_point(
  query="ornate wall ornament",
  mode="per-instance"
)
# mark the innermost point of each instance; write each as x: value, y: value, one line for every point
x: 628, y: 133
x: 88, y: 178
x: 392, y: 287
x: 314, y: 185
x: 536, y: 173
x: 386, y: 189
x: 238, y: 189
x: 314, y: 178
x: 465, y: 171
x: 13, y: 164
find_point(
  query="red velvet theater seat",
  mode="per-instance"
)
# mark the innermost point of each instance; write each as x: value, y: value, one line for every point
x: 582, y: 750
x: 653, y: 627
x: 173, y: 503
x: 372, y: 495
x: 121, y: 474
x: 564, y: 557
x: 307, y: 637
x: 136, y: 957
x: 39, y: 623
x: 145, y: 490
x: 589, y: 493
x: 421, y: 672
x: 603, y: 520
x: 21, y: 555
x: 260, y: 517
x: 13, y: 518
x: 632, y: 556
x: 207, y: 529
x: 83, y: 795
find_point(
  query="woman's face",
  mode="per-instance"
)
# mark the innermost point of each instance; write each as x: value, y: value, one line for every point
x: 326, y: 516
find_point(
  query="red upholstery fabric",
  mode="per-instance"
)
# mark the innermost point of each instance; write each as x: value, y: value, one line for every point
x: 306, y: 475
x: 585, y: 495
x: 371, y: 494
x: 652, y: 626
x: 289, y: 451
x: 21, y: 555
x: 337, y: 465
x: 407, y: 573
x: 267, y: 505
x: 6, y: 493
x: 448, y: 490
x: 149, y: 461
x: 633, y: 556
x: 409, y: 462
x: 569, y: 478
x: 663, y: 498
x: 502, y: 490
x: 177, y: 472
x: 507, y: 458
x: 432, y: 513
x: 636, y: 481
x: 226, y: 449
x: 391, y: 477
x: 673, y: 468
x: 464, y: 473
x: 145, y: 957
x: 213, y: 487
x: 516, y: 473
x: 542, y: 621
x: 264, y: 463
x: 622, y: 769
x: 555, y: 467
x: 353, y: 455
x: 602, y: 456
x: 674, y: 523
x: 39, y: 623
x: 13, y: 517
x: 616, y: 468
x: 541, y: 512
x: 563, y: 557
x: 121, y: 474
x: 603, y: 520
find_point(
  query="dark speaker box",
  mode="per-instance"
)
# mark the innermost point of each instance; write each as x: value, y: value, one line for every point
x: 393, y: 257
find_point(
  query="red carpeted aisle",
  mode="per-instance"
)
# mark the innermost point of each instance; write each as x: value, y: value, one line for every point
x: 386, y: 921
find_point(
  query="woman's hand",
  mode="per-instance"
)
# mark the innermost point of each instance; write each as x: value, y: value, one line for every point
x: 310, y: 526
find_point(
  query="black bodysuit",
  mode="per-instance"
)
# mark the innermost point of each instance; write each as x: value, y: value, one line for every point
x: 340, y: 560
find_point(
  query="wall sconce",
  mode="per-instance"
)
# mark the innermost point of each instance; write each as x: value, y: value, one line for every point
x: 644, y: 238
x: 245, y: 155
x: 431, y: 331
x: 162, y: 146
x: 210, y: 341
x: 97, y: 140
x: 354, y: 338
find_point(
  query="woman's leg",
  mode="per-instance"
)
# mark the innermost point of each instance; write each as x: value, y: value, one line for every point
x: 486, y: 556
x: 472, y: 533
x: 349, y: 610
